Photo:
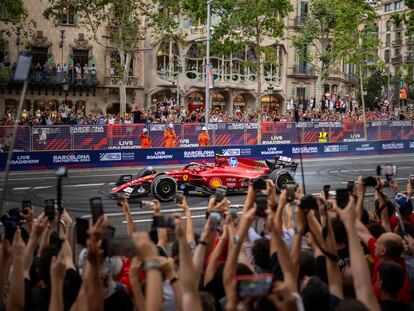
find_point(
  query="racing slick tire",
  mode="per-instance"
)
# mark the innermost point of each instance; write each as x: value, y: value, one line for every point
x: 164, y: 188
x: 281, y: 177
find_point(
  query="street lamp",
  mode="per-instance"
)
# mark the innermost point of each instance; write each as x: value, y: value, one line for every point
x: 270, y: 90
x: 61, y: 44
x: 65, y: 86
x: 18, y: 39
x: 179, y: 69
x: 208, y: 64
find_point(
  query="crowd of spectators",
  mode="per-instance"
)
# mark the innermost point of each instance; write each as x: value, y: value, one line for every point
x: 169, y: 112
x: 311, y: 255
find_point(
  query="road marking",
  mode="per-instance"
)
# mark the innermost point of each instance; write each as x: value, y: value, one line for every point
x: 21, y: 188
x: 83, y: 185
x: 43, y: 187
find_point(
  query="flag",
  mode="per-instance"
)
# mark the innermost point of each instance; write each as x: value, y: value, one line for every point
x: 210, y: 76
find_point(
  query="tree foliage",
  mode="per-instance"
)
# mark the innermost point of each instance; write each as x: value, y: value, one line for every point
x: 333, y: 30
x: 12, y: 10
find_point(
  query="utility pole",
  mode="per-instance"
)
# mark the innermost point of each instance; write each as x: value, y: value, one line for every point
x: 208, y: 65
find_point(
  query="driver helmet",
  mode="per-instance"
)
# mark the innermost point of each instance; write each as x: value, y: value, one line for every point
x: 204, y: 128
x: 144, y: 130
x: 220, y: 160
x: 171, y: 126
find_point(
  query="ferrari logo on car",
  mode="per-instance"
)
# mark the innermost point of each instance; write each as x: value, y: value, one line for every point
x: 215, y: 182
x: 185, y: 177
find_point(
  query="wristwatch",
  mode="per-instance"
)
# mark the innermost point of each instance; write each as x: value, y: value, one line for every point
x: 237, y: 240
x: 152, y: 264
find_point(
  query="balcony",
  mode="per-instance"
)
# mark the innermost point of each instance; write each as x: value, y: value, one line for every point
x: 303, y: 70
x: 409, y: 58
x: 396, y: 59
x: 53, y: 79
x: 113, y: 81
x: 397, y: 42
x: 371, y: 61
x: 352, y: 78
x: 410, y: 41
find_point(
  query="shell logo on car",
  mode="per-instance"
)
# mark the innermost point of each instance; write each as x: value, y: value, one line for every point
x: 215, y: 182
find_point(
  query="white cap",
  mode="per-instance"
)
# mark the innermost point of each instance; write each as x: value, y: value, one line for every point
x: 170, y: 125
x: 204, y: 128
x: 144, y: 130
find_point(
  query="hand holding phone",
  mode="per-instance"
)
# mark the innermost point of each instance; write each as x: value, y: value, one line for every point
x: 220, y: 194
x: 179, y: 197
x: 49, y: 209
x: 326, y: 189
x: 261, y: 204
x: 342, y: 198
x: 290, y: 191
x: 215, y: 220
x: 163, y: 221
x: 96, y: 208
x: 254, y: 285
x: 26, y: 205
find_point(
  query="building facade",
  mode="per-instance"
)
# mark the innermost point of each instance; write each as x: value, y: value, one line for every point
x: 65, y: 56
x: 396, y: 49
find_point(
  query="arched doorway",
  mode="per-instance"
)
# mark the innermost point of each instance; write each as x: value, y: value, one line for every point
x: 114, y: 108
x: 218, y: 101
x: 271, y: 103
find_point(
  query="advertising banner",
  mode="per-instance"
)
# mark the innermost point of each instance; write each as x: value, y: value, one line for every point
x: 42, y: 160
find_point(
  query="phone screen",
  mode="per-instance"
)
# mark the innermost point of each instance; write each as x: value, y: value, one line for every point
x: 290, y: 191
x: 82, y: 226
x: 215, y: 220
x: 162, y: 221
x: 259, y: 184
x: 254, y: 285
x: 342, y: 198
x: 179, y: 197
x: 49, y: 209
x: 120, y: 246
x: 96, y: 208
x: 326, y: 189
x: 261, y: 205
x: 220, y: 194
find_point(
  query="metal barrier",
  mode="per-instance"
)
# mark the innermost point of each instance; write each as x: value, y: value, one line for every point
x: 88, y: 137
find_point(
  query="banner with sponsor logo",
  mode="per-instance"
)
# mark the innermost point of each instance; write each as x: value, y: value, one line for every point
x: 42, y: 160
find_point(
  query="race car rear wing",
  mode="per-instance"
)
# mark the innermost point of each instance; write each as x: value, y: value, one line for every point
x: 281, y: 162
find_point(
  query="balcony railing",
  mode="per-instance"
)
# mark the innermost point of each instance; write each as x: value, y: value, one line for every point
x: 306, y: 70
x: 396, y: 59
x: 397, y: 42
x: 113, y: 81
x: 55, y: 78
x: 410, y: 41
x: 409, y: 58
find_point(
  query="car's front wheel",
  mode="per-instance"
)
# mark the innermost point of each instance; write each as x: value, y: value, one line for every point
x: 164, y: 188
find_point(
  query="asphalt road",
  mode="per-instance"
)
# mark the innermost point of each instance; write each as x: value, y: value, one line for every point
x: 84, y: 184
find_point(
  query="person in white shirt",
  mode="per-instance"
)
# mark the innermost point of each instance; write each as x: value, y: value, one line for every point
x: 111, y: 119
x: 42, y: 137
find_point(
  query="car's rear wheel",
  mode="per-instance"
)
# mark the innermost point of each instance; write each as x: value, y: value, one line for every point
x: 164, y: 188
x: 281, y: 177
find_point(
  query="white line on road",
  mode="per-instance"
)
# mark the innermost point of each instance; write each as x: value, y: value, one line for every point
x: 83, y: 185
x: 21, y: 188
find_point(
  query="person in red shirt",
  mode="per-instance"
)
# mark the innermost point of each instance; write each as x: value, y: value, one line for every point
x: 388, y: 247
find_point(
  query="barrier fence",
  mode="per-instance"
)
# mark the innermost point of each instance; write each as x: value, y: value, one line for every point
x: 99, y: 137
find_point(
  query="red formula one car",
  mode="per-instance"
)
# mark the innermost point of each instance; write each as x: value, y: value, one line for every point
x: 203, y: 179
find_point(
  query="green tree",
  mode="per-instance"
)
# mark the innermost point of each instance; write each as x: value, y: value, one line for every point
x: 115, y: 24
x: 12, y: 10
x: 249, y: 23
x: 332, y: 30
x: 374, y: 85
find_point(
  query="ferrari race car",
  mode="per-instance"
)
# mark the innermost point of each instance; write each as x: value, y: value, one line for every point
x: 202, y: 179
